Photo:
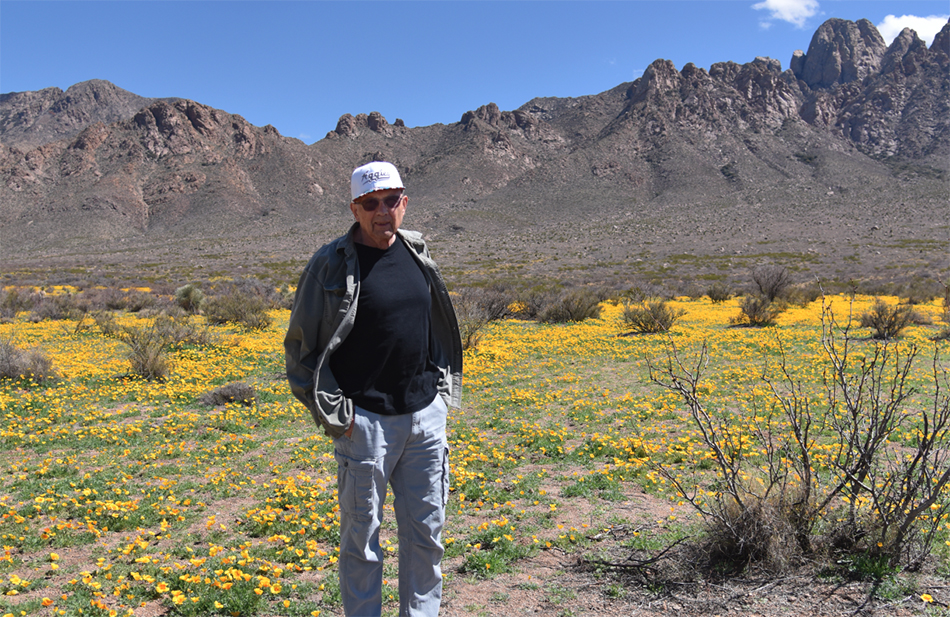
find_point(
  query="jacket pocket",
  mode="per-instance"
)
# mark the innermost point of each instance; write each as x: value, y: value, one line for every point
x: 333, y: 295
x: 356, y: 486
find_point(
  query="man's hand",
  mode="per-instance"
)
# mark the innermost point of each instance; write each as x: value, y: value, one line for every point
x: 349, y: 431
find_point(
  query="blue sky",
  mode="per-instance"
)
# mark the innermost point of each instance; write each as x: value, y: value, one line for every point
x: 301, y: 65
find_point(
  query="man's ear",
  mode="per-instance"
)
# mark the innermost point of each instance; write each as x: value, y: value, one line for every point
x: 353, y: 208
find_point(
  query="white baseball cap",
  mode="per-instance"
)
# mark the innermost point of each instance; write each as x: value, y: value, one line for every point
x: 375, y: 176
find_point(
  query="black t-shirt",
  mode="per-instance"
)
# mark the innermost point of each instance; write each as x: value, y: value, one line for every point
x: 383, y: 364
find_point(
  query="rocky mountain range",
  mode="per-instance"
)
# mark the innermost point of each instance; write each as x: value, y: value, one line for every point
x: 836, y: 167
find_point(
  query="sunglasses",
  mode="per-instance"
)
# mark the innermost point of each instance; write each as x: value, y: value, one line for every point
x: 371, y: 203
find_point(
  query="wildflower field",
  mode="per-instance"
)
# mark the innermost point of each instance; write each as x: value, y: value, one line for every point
x: 122, y: 496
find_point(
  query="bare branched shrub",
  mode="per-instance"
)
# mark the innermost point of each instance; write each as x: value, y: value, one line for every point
x: 136, y: 301
x: 772, y: 281
x: 475, y: 308
x: 111, y: 298
x: 691, y: 290
x: 649, y: 316
x: 945, y: 313
x: 106, y: 323
x: 944, y: 333
x: 888, y: 321
x: 862, y: 469
x: 32, y: 363
x: 718, y: 292
x: 181, y: 331
x: 895, y: 495
x: 758, y: 311
x: 189, y: 297
x: 115, y: 299
x: 745, y: 521
x: 52, y: 307
x: 234, y: 392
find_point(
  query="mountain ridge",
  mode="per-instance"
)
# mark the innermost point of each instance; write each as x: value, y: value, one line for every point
x: 715, y: 164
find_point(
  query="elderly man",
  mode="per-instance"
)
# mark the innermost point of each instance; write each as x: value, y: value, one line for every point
x: 373, y: 350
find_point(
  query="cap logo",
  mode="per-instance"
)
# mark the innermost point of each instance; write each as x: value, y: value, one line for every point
x: 374, y: 176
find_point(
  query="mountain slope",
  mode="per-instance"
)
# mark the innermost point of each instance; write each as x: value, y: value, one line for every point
x: 840, y: 162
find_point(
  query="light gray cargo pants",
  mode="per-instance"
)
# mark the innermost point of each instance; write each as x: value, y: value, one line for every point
x: 410, y: 453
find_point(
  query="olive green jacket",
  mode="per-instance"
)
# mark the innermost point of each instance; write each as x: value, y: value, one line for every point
x: 324, y: 312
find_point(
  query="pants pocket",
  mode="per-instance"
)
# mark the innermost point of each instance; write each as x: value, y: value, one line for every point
x: 356, y: 486
x: 446, y: 483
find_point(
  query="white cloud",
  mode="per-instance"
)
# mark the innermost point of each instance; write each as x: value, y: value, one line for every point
x: 793, y: 11
x: 925, y: 27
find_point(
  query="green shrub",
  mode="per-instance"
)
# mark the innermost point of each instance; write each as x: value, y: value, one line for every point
x: 921, y: 291
x: 942, y: 335
x: 146, y: 352
x: 718, y: 292
x: 649, y: 316
x: 234, y: 392
x: 12, y: 302
x: 189, y: 298
x: 530, y: 303
x: 803, y: 295
x: 758, y: 311
x: 247, y: 310
x: 32, y: 363
x: 888, y: 321
x: 576, y: 305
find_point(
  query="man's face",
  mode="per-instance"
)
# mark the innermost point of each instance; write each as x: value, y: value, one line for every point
x: 378, y: 224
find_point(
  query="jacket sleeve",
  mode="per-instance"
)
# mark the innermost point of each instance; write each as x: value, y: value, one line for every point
x: 301, y: 344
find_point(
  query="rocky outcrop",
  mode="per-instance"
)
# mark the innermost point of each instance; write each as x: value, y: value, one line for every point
x: 941, y: 42
x: 904, y: 109
x: 30, y: 119
x: 171, y: 165
x: 840, y: 52
x: 354, y: 126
